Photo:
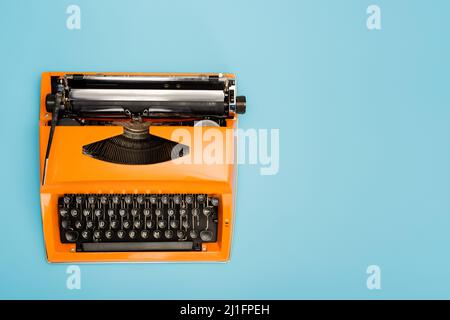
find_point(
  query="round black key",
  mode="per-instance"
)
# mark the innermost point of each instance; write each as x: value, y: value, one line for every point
x: 165, y: 199
x: 157, y: 234
x: 114, y: 224
x: 97, y: 234
x: 137, y: 224
x: 168, y: 234
x: 91, y: 200
x: 127, y: 199
x: 78, y: 224
x: 78, y: 200
x: 189, y: 199
x: 109, y: 234
x: 126, y: 224
x: 146, y: 212
x: 186, y: 224
x: 74, y: 212
x: 206, y: 235
x: 132, y: 234
x: 71, y: 236
x: 193, y: 234
x: 174, y: 224
x: 183, y: 212
x: 201, y: 198
x: 121, y: 234
x: 195, y: 212
x: 65, y: 224
x: 158, y: 212
x: 207, y: 211
x: 215, y: 202
x: 153, y: 199
x: 102, y: 224
x: 66, y: 200
x: 110, y: 213
x: 177, y: 199
x: 85, y: 234
x: 144, y: 234
x: 86, y: 212
x: 98, y: 213
x: 162, y: 224
x: 149, y: 224
x: 115, y: 199
x: 140, y: 199
x: 134, y: 212
x: 170, y: 212
x: 89, y: 224
x: 122, y: 212
x: 103, y: 200
x: 63, y: 212
x: 180, y: 234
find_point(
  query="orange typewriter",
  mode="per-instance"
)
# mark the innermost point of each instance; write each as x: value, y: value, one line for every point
x: 121, y: 179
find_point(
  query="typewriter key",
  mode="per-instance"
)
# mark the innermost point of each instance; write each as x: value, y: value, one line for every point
x: 134, y: 212
x: 114, y: 224
x: 74, y: 212
x: 101, y: 224
x: 66, y: 200
x: 115, y: 199
x: 63, y: 212
x: 193, y: 234
x: 78, y: 200
x: 71, y: 236
x: 149, y: 224
x: 186, y: 224
x: 177, y: 199
x: 174, y: 224
x: 206, y: 235
x: 91, y: 200
x: 65, y: 224
x: 183, y: 212
x: 201, y: 198
x: 162, y: 224
x: 126, y: 224
x: 97, y: 234
x: 122, y: 212
x: 140, y: 199
x: 121, y: 234
x: 195, y: 212
x: 109, y: 234
x: 180, y: 234
x: 165, y: 199
x: 157, y: 234
x: 98, y: 213
x: 146, y: 212
x: 89, y: 224
x: 144, y: 234
x: 103, y: 200
x: 207, y: 211
x: 86, y: 212
x: 170, y: 212
x: 158, y: 212
x: 110, y: 213
x: 127, y: 199
x: 153, y: 199
x: 132, y: 234
x: 85, y: 234
x: 168, y: 234
x: 215, y: 201
x: 78, y: 224
x: 137, y: 224
x: 189, y: 199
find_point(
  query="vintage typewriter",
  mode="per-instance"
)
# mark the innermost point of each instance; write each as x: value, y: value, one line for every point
x: 114, y: 183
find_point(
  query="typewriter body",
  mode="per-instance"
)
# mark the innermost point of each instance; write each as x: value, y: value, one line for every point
x: 115, y: 186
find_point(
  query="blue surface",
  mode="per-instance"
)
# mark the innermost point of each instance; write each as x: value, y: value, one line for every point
x: 364, y: 128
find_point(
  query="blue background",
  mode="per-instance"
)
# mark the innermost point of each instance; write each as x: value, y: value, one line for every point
x: 364, y: 127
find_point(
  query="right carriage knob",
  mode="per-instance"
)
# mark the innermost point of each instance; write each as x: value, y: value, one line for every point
x: 241, y: 104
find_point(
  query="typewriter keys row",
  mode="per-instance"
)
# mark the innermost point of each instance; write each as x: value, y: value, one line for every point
x: 90, y: 220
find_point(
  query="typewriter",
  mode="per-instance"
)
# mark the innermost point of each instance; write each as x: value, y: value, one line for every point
x: 117, y: 182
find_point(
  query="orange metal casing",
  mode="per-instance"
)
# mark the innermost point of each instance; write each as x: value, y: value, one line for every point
x: 69, y: 171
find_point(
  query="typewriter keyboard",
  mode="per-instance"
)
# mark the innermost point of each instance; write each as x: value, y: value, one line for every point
x: 148, y: 222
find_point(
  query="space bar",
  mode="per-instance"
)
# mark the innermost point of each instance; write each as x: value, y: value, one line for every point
x: 136, y: 246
